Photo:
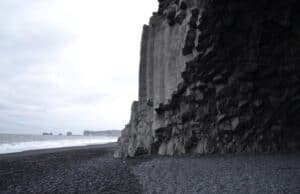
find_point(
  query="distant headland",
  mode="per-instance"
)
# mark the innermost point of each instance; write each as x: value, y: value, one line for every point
x: 102, y: 133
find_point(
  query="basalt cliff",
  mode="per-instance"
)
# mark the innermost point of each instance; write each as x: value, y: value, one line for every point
x: 217, y: 76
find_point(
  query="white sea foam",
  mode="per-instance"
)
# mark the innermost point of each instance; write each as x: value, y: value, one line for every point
x: 47, y: 144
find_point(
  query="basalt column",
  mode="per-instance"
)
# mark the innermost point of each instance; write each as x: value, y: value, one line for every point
x: 143, y: 66
x: 217, y: 76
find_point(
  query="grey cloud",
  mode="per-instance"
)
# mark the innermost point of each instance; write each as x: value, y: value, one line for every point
x: 40, y: 91
x: 17, y: 53
x: 24, y: 41
x: 25, y: 44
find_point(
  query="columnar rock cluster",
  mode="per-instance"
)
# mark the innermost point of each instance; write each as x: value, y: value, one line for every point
x: 217, y: 76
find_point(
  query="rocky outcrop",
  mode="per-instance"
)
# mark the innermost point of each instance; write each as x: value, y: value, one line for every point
x: 217, y: 76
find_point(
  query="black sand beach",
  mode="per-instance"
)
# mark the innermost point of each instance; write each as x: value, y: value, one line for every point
x: 92, y: 169
x: 89, y: 169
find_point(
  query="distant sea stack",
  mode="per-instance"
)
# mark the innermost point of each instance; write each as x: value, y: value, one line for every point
x: 217, y: 76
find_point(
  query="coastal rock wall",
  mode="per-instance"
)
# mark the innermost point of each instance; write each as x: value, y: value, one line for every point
x: 217, y: 76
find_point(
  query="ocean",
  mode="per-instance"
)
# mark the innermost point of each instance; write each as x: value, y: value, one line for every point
x: 11, y: 143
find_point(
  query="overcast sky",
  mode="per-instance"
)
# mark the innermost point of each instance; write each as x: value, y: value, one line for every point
x: 69, y: 64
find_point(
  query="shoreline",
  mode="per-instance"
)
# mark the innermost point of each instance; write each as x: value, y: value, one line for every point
x: 92, y: 169
x: 111, y: 145
x: 83, y: 169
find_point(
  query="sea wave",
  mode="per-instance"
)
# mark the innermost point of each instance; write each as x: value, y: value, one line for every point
x: 48, y: 144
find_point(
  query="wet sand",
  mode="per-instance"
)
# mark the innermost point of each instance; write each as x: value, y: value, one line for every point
x: 92, y: 169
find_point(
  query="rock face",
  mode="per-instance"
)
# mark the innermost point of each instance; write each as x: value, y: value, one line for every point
x: 217, y: 76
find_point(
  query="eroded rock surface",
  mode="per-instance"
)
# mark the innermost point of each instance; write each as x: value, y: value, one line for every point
x: 217, y: 76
